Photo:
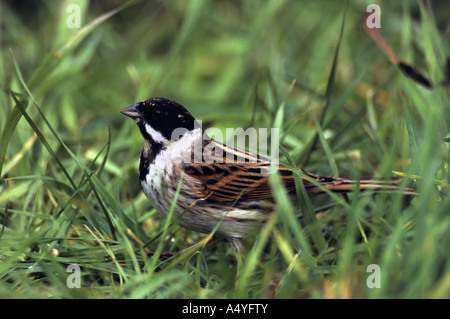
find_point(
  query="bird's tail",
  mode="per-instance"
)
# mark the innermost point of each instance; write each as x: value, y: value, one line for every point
x: 345, y: 185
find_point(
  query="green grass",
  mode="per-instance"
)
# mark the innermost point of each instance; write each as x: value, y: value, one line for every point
x: 69, y: 191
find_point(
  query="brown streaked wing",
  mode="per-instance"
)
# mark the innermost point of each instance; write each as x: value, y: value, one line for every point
x: 244, y: 178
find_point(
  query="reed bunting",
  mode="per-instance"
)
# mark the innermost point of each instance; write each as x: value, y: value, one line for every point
x: 217, y: 183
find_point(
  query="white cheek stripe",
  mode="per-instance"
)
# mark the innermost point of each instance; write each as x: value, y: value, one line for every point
x: 155, y: 135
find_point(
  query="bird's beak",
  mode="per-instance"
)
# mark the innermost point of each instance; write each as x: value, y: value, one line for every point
x: 131, y: 111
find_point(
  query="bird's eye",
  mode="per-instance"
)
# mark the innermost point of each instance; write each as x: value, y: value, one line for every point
x: 157, y: 114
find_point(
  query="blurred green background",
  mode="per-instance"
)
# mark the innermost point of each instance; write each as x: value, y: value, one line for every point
x: 232, y: 64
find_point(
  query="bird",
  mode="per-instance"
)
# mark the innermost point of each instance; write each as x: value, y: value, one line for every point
x: 218, y: 188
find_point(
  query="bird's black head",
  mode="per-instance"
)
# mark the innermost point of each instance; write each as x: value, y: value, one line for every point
x: 157, y: 119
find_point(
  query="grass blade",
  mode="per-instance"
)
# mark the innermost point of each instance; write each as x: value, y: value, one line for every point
x: 310, y: 147
x: 306, y: 207
x: 8, y: 130
x: 43, y: 139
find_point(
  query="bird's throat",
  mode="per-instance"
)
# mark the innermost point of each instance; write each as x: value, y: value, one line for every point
x: 148, y: 155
